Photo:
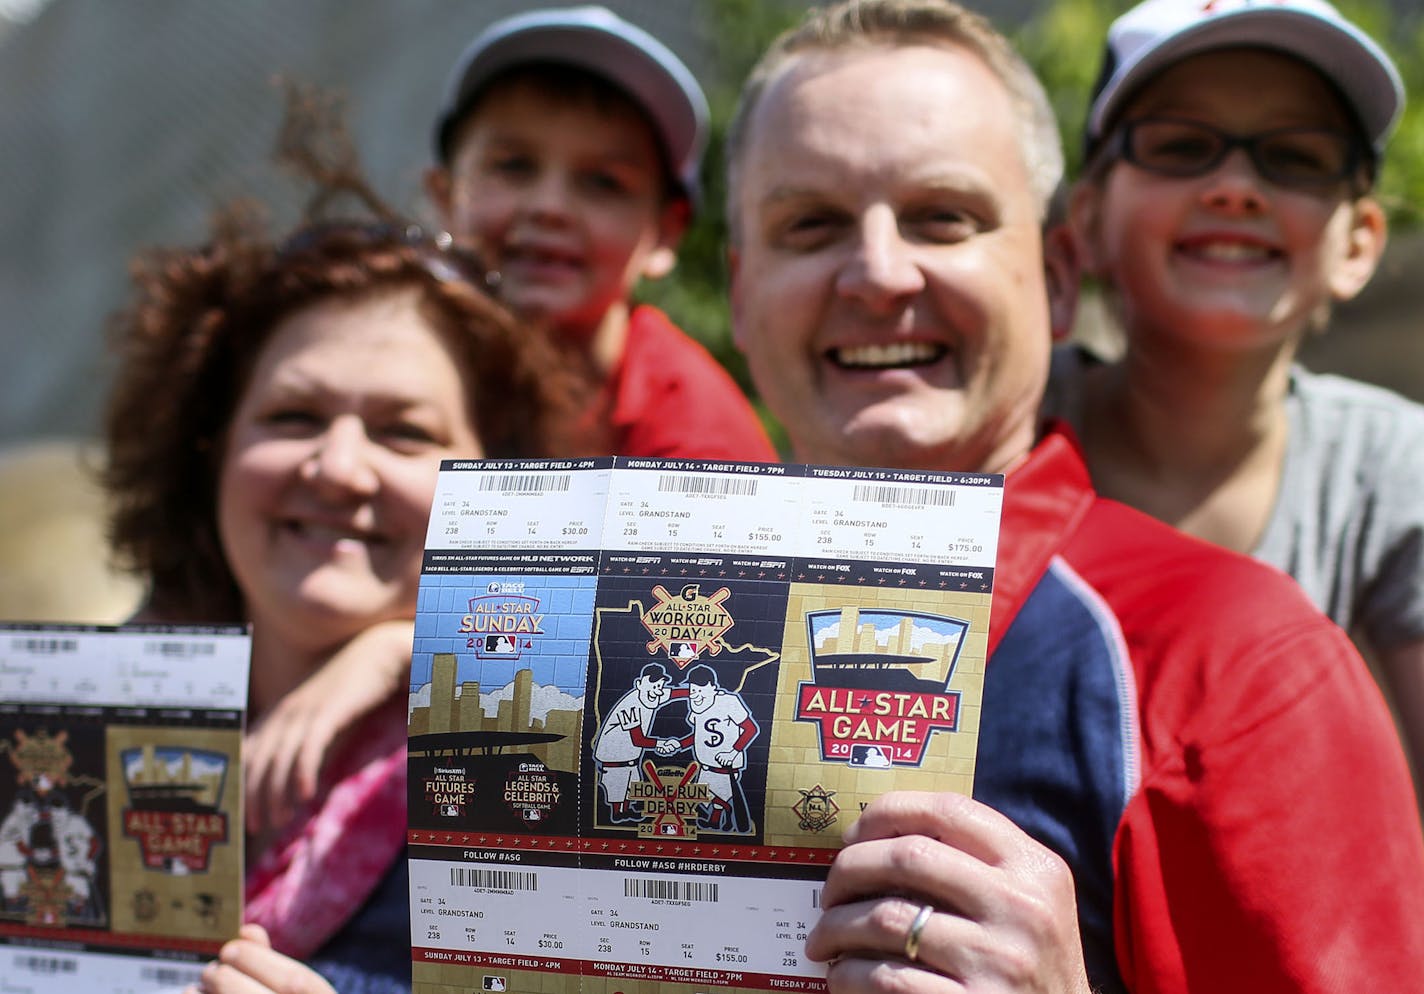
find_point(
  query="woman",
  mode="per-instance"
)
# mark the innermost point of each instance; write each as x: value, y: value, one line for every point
x: 274, y: 435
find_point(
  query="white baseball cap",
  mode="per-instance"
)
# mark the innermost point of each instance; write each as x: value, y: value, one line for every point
x: 598, y: 40
x: 1155, y: 34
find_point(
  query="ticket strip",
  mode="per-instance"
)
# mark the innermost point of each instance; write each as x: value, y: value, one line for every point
x: 648, y: 696
x: 120, y: 823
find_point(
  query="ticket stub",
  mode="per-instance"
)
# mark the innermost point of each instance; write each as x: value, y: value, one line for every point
x: 631, y: 761
x: 121, y: 838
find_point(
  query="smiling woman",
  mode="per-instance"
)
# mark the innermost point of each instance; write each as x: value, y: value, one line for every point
x: 278, y: 421
x: 327, y: 474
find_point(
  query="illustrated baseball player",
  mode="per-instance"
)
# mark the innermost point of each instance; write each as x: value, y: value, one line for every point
x: 41, y: 837
x: 624, y: 736
x: 722, y: 728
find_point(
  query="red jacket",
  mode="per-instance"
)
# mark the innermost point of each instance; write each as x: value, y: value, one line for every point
x: 1204, y: 748
x: 673, y: 400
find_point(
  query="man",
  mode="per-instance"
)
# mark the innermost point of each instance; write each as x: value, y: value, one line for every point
x: 624, y: 737
x: 1170, y: 735
x: 722, y: 728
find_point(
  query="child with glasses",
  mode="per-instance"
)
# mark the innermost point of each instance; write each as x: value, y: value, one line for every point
x: 1226, y: 205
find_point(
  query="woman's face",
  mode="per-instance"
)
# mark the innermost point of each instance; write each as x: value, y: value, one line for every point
x: 330, y: 465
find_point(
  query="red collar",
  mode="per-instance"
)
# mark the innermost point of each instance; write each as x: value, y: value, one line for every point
x: 1045, y: 499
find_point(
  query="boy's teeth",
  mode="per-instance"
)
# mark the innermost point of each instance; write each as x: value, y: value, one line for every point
x: 882, y: 356
x: 1231, y: 252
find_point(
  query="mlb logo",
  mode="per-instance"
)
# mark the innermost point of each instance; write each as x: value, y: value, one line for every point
x: 869, y: 756
x: 500, y: 645
x: 494, y: 983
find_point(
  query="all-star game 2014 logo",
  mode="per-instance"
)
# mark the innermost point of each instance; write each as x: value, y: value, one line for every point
x: 174, y: 795
x: 880, y: 684
x: 687, y: 625
x: 503, y: 622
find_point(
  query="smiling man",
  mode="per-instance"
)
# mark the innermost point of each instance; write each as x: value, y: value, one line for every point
x: 1181, y: 764
x: 887, y: 290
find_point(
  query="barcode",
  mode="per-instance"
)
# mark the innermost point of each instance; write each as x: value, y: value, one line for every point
x: 525, y: 483
x: 171, y: 976
x: 740, y: 486
x: 44, y: 646
x: 475, y: 876
x: 669, y: 890
x: 180, y: 650
x: 904, y: 496
x: 46, y: 964
x: 816, y: 898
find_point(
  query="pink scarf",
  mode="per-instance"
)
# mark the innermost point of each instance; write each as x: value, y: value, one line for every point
x: 328, y: 861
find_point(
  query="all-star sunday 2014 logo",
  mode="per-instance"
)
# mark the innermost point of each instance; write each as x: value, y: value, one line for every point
x: 880, y: 684
x: 503, y: 622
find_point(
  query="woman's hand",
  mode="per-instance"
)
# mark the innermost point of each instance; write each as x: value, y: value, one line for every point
x: 249, y: 965
x: 1002, y: 915
x: 285, y: 750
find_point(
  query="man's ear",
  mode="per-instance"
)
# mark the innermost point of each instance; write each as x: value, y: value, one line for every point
x: 673, y: 219
x: 1364, y: 247
x: 438, y: 187
x: 1061, y: 272
x: 1085, y: 201
x: 734, y: 294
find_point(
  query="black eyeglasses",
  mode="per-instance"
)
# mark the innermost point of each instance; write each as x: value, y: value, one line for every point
x: 1295, y: 158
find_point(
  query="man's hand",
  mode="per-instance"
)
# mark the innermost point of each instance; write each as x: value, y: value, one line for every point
x: 285, y: 751
x: 249, y: 965
x: 1003, y: 916
x: 666, y: 747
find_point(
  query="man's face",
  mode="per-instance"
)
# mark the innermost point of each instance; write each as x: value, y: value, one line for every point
x: 888, y: 285
x: 651, y: 690
x: 700, y: 696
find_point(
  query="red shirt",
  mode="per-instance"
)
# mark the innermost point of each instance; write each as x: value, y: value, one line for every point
x: 672, y: 399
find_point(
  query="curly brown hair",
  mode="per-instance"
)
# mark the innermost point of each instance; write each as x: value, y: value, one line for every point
x: 189, y: 340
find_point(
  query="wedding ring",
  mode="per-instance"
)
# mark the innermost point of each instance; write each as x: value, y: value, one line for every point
x: 917, y: 928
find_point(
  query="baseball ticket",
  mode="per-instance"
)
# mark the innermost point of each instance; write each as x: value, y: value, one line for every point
x: 648, y: 696
x: 121, y: 853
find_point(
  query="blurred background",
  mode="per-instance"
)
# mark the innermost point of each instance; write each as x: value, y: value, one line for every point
x: 123, y: 123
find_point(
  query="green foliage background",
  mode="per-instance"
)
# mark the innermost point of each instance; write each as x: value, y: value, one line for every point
x: 1063, y: 43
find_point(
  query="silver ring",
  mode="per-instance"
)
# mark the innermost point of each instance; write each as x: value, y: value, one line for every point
x: 917, y: 928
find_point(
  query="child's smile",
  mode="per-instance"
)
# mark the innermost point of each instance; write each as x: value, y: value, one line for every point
x: 1228, y: 256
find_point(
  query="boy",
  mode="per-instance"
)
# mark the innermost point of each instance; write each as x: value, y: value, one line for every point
x: 1226, y: 205
x: 568, y: 149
